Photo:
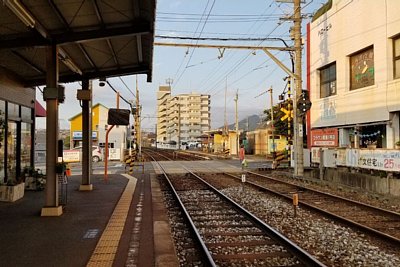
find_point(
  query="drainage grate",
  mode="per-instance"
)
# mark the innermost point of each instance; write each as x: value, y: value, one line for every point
x: 91, y: 233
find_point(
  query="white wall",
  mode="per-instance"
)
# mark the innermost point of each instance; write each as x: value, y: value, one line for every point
x: 352, y: 25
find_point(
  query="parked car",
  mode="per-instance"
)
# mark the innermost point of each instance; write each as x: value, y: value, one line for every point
x: 97, y: 154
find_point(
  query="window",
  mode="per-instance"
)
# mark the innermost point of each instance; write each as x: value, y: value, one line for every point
x: 13, y: 111
x: 12, y: 150
x: 396, y: 57
x: 362, y: 70
x: 26, y: 145
x: 2, y: 138
x: 26, y: 114
x: 327, y: 77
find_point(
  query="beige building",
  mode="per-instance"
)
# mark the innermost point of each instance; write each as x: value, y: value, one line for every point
x: 262, y: 141
x: 354, y: 74
x: 182, y: 118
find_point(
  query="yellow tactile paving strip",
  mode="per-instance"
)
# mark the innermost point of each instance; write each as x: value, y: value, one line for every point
x: 107, y: 246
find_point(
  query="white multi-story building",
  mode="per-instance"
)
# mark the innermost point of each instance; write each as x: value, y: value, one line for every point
x: 163, y: 97
x: 354, y: 74
x: 182, y: 118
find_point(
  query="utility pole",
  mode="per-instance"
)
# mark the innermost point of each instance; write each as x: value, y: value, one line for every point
x: 272, y: 125
x: 137, y: 121
x: 169, y: 81
x: 237, y: 122
x: 289, y: 119
x: 273, y: 128
x: 226, y: 132
x: 297, y: 120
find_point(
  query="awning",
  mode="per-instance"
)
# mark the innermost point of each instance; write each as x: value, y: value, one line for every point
x: 39, y: 110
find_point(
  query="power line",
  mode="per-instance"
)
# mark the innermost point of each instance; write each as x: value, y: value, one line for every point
x: 213, y: 33
x: 217, y: 39
x: 127, y: 87
x: 212, y: 15
x: 202, y: 29
x: 214, y: 72
x: 237, y: 65
x: 39, y: 89
x: 187, y: 51
x: 176, y: 20
x: 112, y: 87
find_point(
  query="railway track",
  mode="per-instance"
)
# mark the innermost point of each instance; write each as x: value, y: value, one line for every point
x: 379, y: 222
x: 153, y: 155
x: 162, y: 155
x: 228, y: 234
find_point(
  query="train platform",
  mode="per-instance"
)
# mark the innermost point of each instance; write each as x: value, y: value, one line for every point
x: 113, y: 225
x: 122, y: 222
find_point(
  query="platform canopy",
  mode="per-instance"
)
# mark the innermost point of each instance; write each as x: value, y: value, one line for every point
x: 96, y: 38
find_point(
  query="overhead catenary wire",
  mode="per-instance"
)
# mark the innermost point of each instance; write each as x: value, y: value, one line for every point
x: 215, y: 33
x: 226, y: 59
x: 239, y: 62
x: 236, y: 66
x: 127, y: 87
x: 218, y: 39
x: 112, y: 87
x: 202, y: 29
x: 191, y: 16
x: 212, y: 80
x: 187, y: 51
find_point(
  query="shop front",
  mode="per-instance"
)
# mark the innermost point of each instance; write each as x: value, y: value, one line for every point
x: 16, y: 139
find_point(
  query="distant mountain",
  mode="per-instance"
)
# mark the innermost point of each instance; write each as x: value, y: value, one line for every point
x: 248, y: 124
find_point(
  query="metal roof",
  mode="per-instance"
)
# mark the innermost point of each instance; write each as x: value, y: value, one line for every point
x: 96, y: 38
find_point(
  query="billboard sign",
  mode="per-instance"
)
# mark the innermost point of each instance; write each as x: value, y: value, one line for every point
x: 77, y: 135
x: 324, y: 137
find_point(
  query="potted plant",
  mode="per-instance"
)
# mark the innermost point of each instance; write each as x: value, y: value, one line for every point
x: 40, y: 179
x: 29, y: 178
x: 60, y: 167
x: 371, y: 144
x: 12, y: 190
x: 397, y: 144
x: 34, y: 179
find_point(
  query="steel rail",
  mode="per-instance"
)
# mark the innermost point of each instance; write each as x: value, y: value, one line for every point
x: 301, y: 254
x: 370, y: 230
x: 206, y: 253
x: 147, y: 152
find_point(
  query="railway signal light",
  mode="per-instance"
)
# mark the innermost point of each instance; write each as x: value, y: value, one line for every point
x: 303, y: 103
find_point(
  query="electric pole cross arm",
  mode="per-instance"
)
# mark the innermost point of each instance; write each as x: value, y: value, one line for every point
x: 219, y: 47
x: 244, y: 47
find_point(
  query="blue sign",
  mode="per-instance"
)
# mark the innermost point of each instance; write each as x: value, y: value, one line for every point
x: 77, y: 135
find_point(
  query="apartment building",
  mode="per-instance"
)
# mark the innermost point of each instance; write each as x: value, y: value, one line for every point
x: 353, y: 74
x: 181, y: 118
x: 163, y: 97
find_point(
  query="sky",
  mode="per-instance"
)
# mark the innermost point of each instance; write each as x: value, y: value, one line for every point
x: 221, y: 74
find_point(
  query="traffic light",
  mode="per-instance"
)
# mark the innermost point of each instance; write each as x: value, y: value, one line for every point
x: 303, y: 103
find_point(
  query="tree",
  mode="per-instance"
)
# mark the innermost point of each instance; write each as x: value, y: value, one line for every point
x: 281, y: 127
x: 67, y: 141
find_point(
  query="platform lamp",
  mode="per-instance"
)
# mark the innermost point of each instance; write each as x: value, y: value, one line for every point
x: 19, y: 10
